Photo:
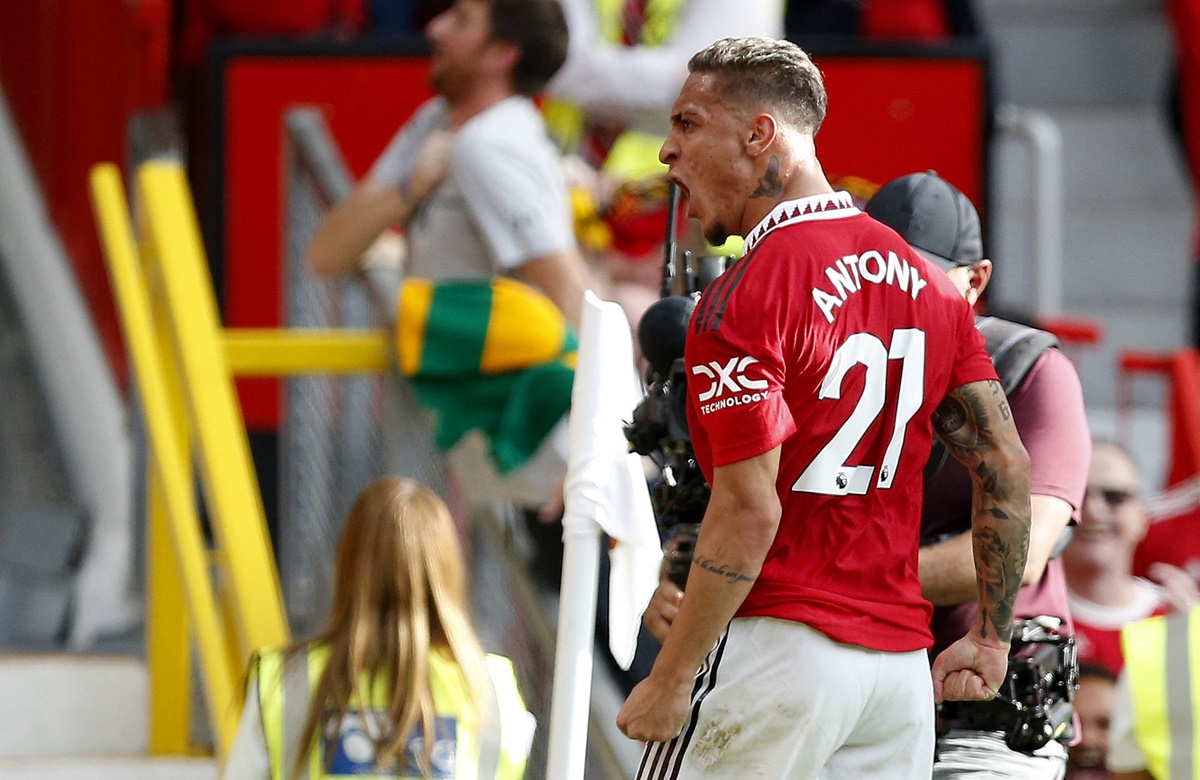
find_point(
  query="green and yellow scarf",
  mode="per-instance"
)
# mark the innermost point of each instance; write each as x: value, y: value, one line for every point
x: 494, y: 355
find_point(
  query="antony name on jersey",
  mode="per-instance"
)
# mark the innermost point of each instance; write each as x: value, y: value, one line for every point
x: 848, y: 274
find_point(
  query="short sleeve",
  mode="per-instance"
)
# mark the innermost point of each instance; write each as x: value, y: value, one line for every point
x: 248, y: 758
x: 735, y: 391
x: 971, y: 363
x: 516, y: 196
x: 399, y: 157
x: 1050, y: 415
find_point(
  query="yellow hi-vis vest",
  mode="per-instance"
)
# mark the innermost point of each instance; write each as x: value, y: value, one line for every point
x: 1162, y: 667
x: 463, y: 751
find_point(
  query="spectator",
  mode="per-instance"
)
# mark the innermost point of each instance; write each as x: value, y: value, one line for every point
x: 617, y: 130
x: 1094, y: 706
x: 1104, y: 593
x: 400, y: 630
x: 646, y: 42
x: 1047, y: 407
x: 471, y: 176
x: 479, y: 191
x: 1155, y: 711
x: 802, y: 599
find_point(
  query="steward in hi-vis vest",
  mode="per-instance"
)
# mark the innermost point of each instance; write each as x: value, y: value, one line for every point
x: 1162, y: 668
x: 464, y: 750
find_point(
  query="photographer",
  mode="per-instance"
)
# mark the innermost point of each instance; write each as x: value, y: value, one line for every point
x: 1047, y: 405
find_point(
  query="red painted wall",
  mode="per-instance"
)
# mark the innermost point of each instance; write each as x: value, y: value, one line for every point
x: 73, y: 72
x: 364, y: 99
x: 892, y: 116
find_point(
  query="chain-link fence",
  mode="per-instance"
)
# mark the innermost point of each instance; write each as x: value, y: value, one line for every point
x: 338, y: 433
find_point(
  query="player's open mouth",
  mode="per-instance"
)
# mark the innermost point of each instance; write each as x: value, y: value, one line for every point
x: 683, y: 190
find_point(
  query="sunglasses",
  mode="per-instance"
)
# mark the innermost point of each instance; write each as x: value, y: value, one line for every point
x: 1114, y: 497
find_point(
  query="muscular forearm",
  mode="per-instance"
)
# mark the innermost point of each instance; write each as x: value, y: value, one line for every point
x: 723, y: 570
x: 1000, y: 521
x: 734, y: 539
x: 975, y: 422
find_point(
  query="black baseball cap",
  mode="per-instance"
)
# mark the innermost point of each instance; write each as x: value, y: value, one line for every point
x: 933, y: 216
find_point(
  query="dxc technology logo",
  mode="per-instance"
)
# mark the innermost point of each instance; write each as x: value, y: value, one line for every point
x: 731, y: 376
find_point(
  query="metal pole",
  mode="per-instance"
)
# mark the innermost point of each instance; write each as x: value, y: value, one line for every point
x: 1043, y: 139
x: 668, y: 270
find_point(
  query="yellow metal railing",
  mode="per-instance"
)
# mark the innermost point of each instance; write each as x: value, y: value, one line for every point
x: 226, y: 598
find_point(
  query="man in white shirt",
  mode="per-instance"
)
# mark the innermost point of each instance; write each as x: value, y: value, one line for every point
x: 476, y: 184
x: 472, y: 176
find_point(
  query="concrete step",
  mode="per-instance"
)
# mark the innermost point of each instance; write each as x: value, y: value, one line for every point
x: 62, y: 705
x: 108, y: 768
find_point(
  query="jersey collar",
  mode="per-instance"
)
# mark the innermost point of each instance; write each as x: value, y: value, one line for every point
x: 826, y: 205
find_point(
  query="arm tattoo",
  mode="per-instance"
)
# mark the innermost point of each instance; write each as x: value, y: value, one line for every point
x: 975, y: 422
x: 999, y: 590
x: 721, y: 570
x: 769, y: 186
x: 949, y: 417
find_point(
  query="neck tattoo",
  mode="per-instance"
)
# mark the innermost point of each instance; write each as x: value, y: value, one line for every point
x: 770, y: 185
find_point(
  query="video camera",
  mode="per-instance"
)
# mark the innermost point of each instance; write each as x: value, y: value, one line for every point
x: 659, y: 431
x: 1033, y: 705
x: 659, y: 427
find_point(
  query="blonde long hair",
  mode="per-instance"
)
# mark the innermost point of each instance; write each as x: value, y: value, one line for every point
x: 399, y: 592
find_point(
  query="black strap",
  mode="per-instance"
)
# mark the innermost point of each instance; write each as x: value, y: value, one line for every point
x: 1013, y: 348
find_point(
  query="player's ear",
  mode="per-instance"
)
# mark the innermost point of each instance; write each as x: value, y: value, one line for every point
x: 761, y: 134
x: 979, y: 276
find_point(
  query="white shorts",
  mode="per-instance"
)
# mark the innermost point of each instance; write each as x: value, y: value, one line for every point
x: 778, y: 699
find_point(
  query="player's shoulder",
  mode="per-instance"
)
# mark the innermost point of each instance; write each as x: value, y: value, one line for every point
x: 745, y: 281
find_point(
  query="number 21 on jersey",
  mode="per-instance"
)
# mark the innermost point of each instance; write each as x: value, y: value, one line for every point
x: 829, y: 473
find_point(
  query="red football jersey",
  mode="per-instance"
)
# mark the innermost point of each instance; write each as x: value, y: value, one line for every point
x: 834, y: 339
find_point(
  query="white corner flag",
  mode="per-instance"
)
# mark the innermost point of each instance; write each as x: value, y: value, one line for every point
x: 605, y: 489
x: 605, y: 481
